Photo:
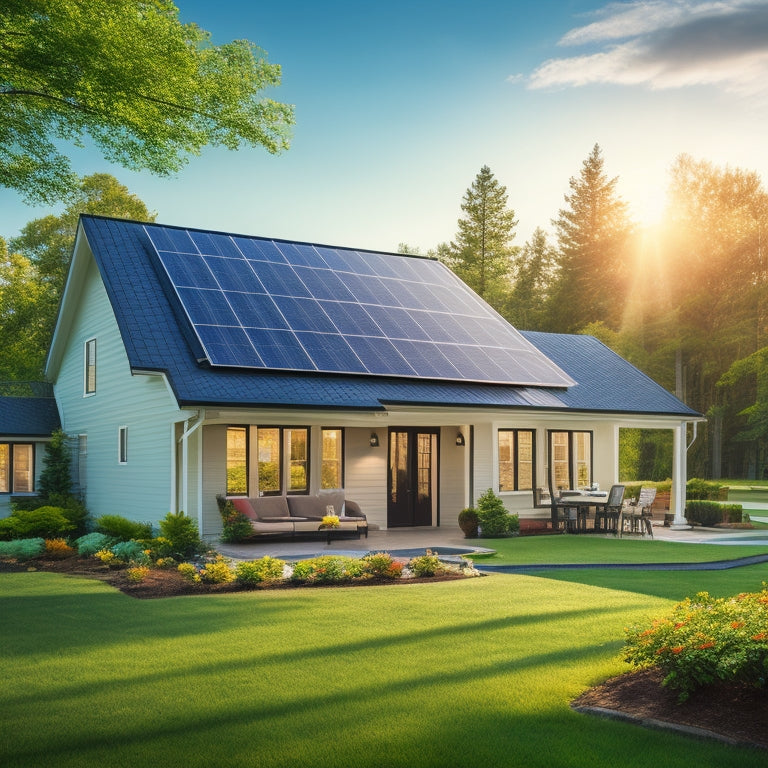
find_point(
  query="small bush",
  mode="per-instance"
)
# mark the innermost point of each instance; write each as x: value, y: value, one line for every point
x: 493, y: 518
x: 43, y: 522
x: 165, y: 562
x: 706, y: 639
x: 182, y: 535
x: 131, y: 552
x: 217, y: 572
x: 468, y: 521
x: 189, y: 572
x: 91, y: 543
x: 119, y: 527
x: 59, y: 549
x: 107, y: 556
x: 425, y: 565
x: 380, y: 565
x: 236, y: 526
x: 138, y: 573
x: 22, y: 549
x: 265, y: 569
x: 327, y: 569
x: 711, y: 513
x: 705, y: 490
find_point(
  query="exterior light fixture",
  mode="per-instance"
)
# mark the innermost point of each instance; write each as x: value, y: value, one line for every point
x: 374, y: 441
x: 460, y: 440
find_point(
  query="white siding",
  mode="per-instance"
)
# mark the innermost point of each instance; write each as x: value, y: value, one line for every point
x: 366, y: 473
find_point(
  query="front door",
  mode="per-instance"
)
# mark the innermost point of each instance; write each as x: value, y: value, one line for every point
x: 412, y: 476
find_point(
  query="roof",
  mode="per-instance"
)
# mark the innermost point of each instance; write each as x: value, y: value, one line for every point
x: 28, y: 416
x: 158, y: 337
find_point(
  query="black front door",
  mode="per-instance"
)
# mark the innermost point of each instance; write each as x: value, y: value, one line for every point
x: 412, y: 480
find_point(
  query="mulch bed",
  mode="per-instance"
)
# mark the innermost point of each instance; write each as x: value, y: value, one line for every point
x: 737, y: 714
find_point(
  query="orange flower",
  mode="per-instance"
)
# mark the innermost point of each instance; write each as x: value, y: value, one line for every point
x: 678, y: 649
x: 704, y: 646
x: 760, y: 636
x: 737, y: 624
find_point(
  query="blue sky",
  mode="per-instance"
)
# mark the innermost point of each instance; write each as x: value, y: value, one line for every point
x: 399, y: 104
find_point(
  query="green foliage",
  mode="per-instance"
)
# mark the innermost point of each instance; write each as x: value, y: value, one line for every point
x: 327, y: 569
x: 56, y: 477
x: 533, y: 271
x: 710, y: 513
x: 217, y: 572
x: 493, y: 518
x: 46, y: 522
x: 22, y: 549
x: 181, y: 533
x: 119, y: 527
x: 91, y: 543
x: 645, y: 454
x: 147, y: 89
x: 380, y: 565
x: 427, y: 564
x: 706, y: 639
x: 468, y: 521
x: 189, y: 572
x: 137, y: 573
x: 236, y: 526
x: 130, y: 552
x: 705, y: 489
x: 264, y: 569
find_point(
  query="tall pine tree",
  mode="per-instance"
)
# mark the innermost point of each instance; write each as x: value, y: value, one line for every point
x: 533, y: 272
x: 593, y: 232
x: 482, y: 253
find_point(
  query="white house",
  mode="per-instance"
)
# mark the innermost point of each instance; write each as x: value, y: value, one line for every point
x: 189, y: 363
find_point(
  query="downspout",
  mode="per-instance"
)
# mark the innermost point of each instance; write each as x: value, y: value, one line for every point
x: 184, y: 440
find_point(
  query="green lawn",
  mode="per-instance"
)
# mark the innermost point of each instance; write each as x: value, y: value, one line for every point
x: 470, y: 673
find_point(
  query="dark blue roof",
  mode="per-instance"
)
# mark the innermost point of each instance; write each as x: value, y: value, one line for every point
x: 28, y: 416
x: 157, y: 339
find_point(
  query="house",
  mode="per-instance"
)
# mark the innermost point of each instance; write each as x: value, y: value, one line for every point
x: 28, y: 417
x: 188, y: 363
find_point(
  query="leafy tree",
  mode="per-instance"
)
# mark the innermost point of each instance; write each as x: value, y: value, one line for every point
x: 533, y: 270
x: 482, y: 253
x: 145, y: 88
x: 593, y: 233
x: 56, y: 478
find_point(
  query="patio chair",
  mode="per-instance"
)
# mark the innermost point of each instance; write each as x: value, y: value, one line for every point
x: 643, y: 510
x: 561, y: 519
x: 607, y: 517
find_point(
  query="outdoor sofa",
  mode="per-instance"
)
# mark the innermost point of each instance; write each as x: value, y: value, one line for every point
x: 301, y: 515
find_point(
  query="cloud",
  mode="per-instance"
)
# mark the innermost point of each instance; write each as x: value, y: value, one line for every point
x: 667, y: 44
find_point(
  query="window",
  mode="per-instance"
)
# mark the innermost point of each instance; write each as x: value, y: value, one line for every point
x: 570, y: 459
x: 17, y: 468
x: 268, y: 452
x: 122, y: 445
x: 516, y: 459
x: 332, y: 466
x: 237, y: 461
x: 90, y: 367
x: 283, y: 460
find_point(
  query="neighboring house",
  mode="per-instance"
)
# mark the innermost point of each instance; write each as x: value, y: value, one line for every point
x: 187, y: 364
x: 26, y: 423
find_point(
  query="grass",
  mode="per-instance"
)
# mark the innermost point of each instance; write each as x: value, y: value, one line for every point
x: 476, y: 672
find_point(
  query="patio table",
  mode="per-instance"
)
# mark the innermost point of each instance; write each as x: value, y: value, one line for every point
x: 581, y: 502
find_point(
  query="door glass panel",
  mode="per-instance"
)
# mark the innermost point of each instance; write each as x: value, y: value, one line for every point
x: 424, y: 483
x: 398, y: 465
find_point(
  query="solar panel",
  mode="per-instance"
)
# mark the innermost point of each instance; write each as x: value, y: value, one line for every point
x: 272, y: 304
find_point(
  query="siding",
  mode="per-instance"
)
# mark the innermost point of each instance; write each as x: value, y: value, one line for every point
x: 141, y: 488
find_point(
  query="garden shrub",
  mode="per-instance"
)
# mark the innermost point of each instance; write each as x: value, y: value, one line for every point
x: 182, y: 534
x: 380, y: 565
x: 43, y: 522
x: 138, y: 573
x: 59, y: 549
x: 217, y: 572
x: 107, y: 556
x: 91, y: 543
x: 189, y: 572
x: 493, y: 518
x: 327, y: 569
x: 705, y: 490
x: 468, y: 521
x: 236, y: 526
x: 264, y: 569
x: 711, y: 513
x: 706, y: 639
x: 425, y: 565
x: 131, y: 552
x: 22, y: 549
x: 119, y: 527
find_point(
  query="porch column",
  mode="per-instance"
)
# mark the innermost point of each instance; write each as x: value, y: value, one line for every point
x: 679, y: 477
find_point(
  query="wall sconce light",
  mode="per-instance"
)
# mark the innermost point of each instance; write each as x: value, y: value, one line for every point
x: 460, y: 440
x: 374, y: 441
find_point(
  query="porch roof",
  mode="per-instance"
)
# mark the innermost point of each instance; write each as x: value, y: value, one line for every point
x: 156, y: 339
x: 28, y: 416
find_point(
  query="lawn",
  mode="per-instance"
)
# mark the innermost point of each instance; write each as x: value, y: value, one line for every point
x: 475, y: 672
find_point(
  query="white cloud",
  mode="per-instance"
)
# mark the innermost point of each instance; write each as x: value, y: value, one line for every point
x: 667, y: 44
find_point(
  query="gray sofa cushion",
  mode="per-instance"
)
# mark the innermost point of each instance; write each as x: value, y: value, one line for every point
x: 308, y: 507
x: 270, y: 506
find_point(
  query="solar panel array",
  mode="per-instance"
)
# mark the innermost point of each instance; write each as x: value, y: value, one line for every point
x: 270, y: 304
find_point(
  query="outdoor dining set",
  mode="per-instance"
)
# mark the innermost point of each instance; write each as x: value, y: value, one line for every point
x: 592, y: 510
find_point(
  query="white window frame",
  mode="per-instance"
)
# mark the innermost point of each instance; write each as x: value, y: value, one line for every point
x: 89, y: 364
x: 122, y: 445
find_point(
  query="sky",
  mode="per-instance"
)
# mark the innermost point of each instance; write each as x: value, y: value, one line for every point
x: 399, y: 103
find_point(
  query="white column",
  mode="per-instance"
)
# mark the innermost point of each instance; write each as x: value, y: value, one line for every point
x: 679, y: 477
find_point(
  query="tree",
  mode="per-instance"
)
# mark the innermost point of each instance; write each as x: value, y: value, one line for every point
x: 593, y: 234
x: 482, y: 253
x: 32, y: 277
x: 533, y: 271
x: 147, y: 89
